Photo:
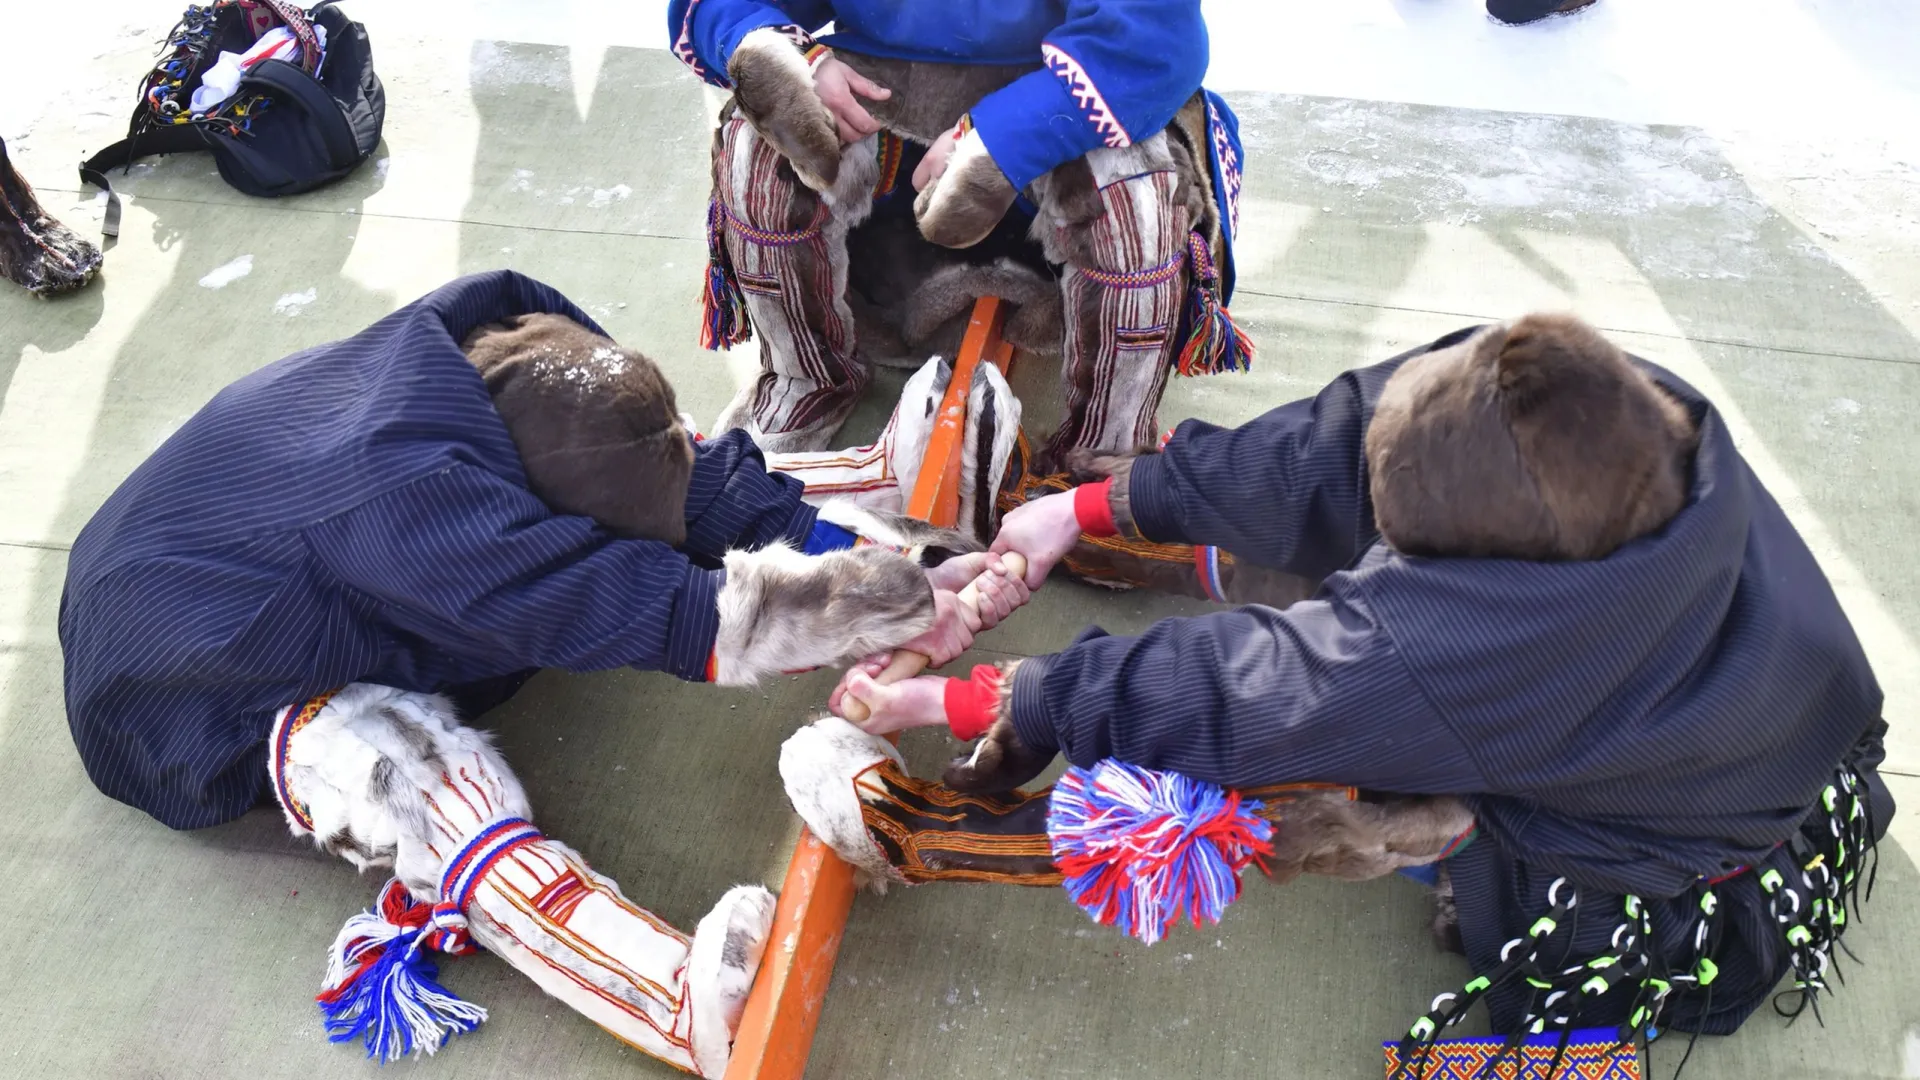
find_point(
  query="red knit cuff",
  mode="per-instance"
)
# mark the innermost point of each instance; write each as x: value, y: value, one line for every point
x: 1093, y: 510
x: 973, y: 703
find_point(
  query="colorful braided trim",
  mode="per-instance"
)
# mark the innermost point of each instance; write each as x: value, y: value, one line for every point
x: 285, y: 727
x: 1138, y: 279
x: 770, y: 237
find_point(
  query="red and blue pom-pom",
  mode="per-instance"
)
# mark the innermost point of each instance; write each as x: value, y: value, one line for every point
x: 1142, y: 850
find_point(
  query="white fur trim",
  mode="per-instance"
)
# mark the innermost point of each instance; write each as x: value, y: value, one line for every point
x: 719, y: 977
x: 414, y: 741
x: 1006, y: 434
x: 818, y: 764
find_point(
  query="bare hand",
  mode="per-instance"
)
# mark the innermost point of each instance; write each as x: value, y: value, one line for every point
x: 836, y: 83
x: 1043, y: 530
x: 934, y: 165
x: 1000, y: 591
x: 954, y: 624
x: 870, y: 666
x: 913, y: 703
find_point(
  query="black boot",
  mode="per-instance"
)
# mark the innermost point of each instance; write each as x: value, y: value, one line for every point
x: 1517, y: 12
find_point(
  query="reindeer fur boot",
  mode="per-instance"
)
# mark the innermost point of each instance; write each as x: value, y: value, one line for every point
x: 853, y: 792
x: 391, y: 779
x: 880, y: 477
x: 38, y: 253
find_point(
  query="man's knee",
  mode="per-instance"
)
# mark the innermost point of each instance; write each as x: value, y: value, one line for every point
x: 755, y: 184
x: 1118, y: 209
x: 761, y: 191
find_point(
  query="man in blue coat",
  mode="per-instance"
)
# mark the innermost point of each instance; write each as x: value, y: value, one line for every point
x: 1083, y: 124
x: 308, y: 588
x: 1550, y: 588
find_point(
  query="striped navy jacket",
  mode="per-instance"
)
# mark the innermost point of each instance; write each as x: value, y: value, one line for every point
x: 358, y: 512
x: 1632, y: 723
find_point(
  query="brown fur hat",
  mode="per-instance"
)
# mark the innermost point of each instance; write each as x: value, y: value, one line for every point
x: 596, y: 425
x: 1536, y: 439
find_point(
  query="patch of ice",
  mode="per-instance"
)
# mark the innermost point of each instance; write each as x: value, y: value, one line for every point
x: 522, y: 179
x: 607, y: 196
x: 293, y: 303
x: 227, y: 273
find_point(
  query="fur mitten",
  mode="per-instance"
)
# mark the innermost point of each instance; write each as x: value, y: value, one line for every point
x: 773, y: 89
x: 972, y: 195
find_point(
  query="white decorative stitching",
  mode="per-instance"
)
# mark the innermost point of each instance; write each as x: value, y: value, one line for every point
x: 1229, y: 167
x: 683, y: 45
x: 1081, y: 86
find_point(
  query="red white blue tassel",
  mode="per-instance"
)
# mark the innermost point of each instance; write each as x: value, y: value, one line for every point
x: 1142, y: 849
x: 723, y: 307
x: 380, y: 986
x: 1214, y: 342
x: 380, y: 982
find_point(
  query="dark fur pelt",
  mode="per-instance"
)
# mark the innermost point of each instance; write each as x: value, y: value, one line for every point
x: 911, y: 297
x: 596, y: 425
x: 928, y: 98
x: 1536, y: 439
x: 1360, y: 839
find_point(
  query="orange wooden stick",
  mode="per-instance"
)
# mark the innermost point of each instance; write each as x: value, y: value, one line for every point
x: 776, y: 1030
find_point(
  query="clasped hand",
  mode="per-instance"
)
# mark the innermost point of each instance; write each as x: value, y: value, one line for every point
x: 1042, y: 531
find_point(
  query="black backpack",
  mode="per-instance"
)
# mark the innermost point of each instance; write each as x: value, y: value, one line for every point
x: 285, y: 130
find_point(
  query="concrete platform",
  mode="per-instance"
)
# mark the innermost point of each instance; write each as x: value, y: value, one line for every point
x: 1390, y: 198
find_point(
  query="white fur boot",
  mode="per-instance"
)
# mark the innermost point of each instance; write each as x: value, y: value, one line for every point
x: 881, y: 477
x: 388, y: 778
x: 828, y: 768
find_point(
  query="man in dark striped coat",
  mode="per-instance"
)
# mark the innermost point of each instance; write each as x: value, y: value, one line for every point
x: 306, y: 589
x: 1551, y: 587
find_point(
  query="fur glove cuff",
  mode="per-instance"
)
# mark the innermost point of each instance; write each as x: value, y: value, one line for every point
x: 781, y: 610
x: 773, y: 88
x: 963, y: 206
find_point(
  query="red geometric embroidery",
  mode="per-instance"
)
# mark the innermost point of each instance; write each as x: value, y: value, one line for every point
x: 1463, y: 1059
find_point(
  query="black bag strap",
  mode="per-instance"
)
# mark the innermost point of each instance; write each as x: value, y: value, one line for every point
x: 171, y: 139
x: 289, y: 84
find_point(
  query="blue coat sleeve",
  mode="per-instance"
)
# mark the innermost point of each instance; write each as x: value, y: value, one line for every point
x: 1116, y: 72
x: 705, y: 32
x: 1287, y: 490
x: 1247, y: 697
x: 468, y: 558
x: 733, y: 501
